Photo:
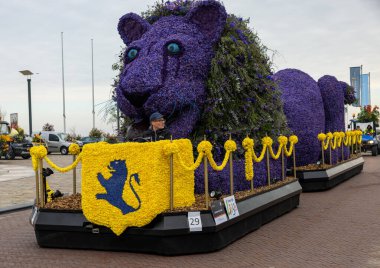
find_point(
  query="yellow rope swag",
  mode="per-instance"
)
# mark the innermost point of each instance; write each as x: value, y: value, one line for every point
x: 204, y: 148
x: 267, y: 142
x: 39, y: 153
x: 336, y: 140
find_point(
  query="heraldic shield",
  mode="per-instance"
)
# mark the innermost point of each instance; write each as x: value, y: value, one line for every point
x: 128, y: 184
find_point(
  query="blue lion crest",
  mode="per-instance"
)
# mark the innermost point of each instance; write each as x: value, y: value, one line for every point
x: 115, y: 184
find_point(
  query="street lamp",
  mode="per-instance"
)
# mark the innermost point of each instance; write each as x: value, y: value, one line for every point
x: 28, y: 75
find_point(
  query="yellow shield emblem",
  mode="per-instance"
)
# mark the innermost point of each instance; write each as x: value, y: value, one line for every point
x: 128, y: 184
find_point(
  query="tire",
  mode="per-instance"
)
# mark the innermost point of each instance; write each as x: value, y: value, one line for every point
x: 374, y: 150
x: 10, y: 155
x: 64, y: 150
x: 25, y: 156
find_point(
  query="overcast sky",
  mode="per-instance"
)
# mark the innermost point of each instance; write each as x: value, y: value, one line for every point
x: 318, y: 37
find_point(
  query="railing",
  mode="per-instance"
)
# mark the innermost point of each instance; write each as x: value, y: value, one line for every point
x: 171, y: 150
x: 335, y: 140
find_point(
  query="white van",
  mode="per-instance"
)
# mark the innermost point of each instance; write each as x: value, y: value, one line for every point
x: 56, y: 141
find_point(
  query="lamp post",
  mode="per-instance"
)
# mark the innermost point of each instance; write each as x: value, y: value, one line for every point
x: 28, y: 75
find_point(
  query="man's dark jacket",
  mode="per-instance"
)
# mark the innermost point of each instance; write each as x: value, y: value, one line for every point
x: 161, y: 134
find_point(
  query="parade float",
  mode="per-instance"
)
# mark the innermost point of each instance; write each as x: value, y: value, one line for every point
x: 221, y: 176
x: 327, y: 155
x: 224, y: 172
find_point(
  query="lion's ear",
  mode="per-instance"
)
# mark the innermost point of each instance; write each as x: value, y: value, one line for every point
x: 131, y: 27
x: 210, y: 17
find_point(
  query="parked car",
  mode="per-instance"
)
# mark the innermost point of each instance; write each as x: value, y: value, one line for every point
x: 19, y: 149
x: 86, y: 140
x: 57, y: 141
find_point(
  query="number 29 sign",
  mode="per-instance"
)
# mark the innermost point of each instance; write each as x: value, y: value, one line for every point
x: 195, y: 222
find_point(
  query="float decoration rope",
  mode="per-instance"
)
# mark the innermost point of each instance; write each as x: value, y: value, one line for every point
x: 40, y: 152
x: 203, y: 148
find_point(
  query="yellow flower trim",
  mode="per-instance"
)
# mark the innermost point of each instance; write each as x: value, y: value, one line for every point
x: 248, y: 143
x: 293, y: 139
x: 250, y: 155
x: 63, y: 169
x: 321, y: 136
x: 267, y: 141
x: 347, y: 140
x: 171, y: 148
x: 282, y: 140
x: 230, y: 145
x: 37, y: 152
x: 40, y: 152
x: 204, y: 147
x: 150, y: 163
x: 74, y: 149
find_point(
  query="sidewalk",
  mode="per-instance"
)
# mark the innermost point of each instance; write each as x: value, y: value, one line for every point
x: 18, y: 183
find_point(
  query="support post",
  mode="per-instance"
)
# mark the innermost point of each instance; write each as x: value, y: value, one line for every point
x: 42, y: 185
x: 74, y: 176
x: 206, y: 178
x: 282, y: 163
x: 323, y: 155
x: 268, y: 167
x: 294, y: 162
x: 330, y: 155
x: 37, y: 188
x: 231, y: 173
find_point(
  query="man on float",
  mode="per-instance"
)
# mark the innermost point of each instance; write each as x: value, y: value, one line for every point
x: 157, y: 130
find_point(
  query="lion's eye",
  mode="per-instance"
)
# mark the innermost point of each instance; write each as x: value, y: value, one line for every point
x: 132, y: 54
x: 174, y: 48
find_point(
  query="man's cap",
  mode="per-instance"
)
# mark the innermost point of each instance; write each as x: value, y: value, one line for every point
x: 155, y: 116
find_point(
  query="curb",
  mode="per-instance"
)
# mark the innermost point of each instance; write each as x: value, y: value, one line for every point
x: 16, y: 208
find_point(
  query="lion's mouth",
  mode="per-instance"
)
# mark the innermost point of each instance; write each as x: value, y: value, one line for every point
x: 137, y: 99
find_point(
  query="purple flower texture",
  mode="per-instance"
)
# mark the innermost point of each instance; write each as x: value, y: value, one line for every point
x: 303, y: 107
x: 333, y: 101
x: 349, y: 93
x: 166, y: 65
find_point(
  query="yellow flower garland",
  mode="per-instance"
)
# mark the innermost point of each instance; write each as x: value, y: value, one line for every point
x: 74, y: 149
x: 267, y: 142
x: 293, y: 139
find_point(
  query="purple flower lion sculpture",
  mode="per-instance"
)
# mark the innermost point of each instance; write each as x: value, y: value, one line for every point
x: 207, y: 73
x: 166, y: 64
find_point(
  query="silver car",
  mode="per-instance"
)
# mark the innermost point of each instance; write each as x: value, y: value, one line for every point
x: 56, y: 141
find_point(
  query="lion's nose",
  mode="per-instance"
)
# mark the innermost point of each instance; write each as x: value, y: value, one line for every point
x: 137, y: 99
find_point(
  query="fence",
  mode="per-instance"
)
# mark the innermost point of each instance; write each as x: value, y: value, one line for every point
x: 335, y: 140
x: 171, y: 150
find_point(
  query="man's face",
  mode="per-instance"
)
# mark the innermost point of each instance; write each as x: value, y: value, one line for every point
x: 158, y: 124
